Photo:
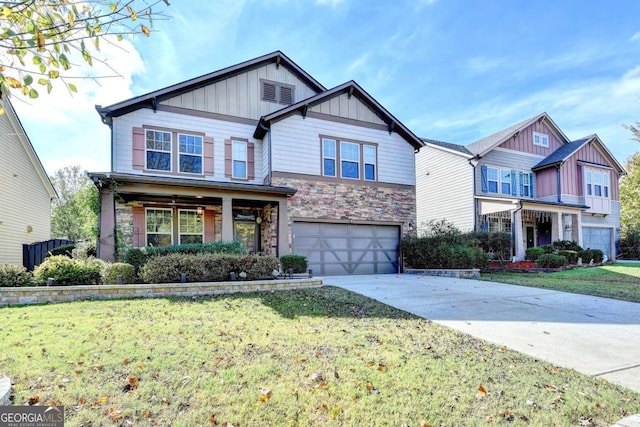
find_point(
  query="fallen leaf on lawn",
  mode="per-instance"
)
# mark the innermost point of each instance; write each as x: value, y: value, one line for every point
x: 325, y: 407
x: 147, y: 414
x: 34, y: 399
x: 133, y: 381
x: 425, y: 424
x: 126, y: 361
x: 213, y: 419
x: 482, y: 391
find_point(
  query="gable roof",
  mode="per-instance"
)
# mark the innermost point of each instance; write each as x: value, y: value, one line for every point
x: 488, y: 143
x: 563, y: 153
x: 448, y: 145
x: 21, y: 134
x: 353, y: 89
x: 152, y: 99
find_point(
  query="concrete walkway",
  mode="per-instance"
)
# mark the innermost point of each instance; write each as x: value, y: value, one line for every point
x: 596, y: 336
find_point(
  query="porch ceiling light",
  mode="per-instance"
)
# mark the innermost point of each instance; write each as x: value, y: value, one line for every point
x: 199, y: 210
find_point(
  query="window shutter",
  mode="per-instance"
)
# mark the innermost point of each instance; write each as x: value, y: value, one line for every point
x: 514, y: 191
x: 227, y: 158
x: 138, y: 148
x: 533, y: 194
x: 521, y: 176
x: 251, y: 173
x: 138, y: 227
x: 207, y: 151
x: 484, y: 178
x: 268, y: 92
x: 286, y: 95
x: 209, y: 226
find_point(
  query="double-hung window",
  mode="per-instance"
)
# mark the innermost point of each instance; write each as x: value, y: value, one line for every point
x: 190, y: 226
x: 597, y: 184
x: 369, y: 154
x: 605, y: 185
x: 349, y: 160
x: 329, y: 157
x: 505, y: 181
x: 239, y: 159
x: 589, y: 183
x: 159, y: 227
x: 492, y: 180
x: 527, y: 191
x: 158, y: 150
x: 541, y: 139
x: 190, y: 153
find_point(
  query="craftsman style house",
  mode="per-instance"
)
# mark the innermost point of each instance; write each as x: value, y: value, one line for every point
x: 263, y: 153
x: 530, y: 180
x: 25, y: 189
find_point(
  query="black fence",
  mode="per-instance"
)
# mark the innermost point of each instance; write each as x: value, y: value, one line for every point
x: 35, y: 253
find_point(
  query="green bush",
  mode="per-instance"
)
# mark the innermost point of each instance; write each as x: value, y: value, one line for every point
x: 533, y: 254
x: 569, y: 245
x: 588, y: 255
x: 66, y: 250
x: 549, y: 249
x: 497, y: 244
x: 84, y: 250
x: 630, y: 243
x: 230, y: 248
x: 68, y: 271
x: 135, y: 257
x: 551, y: 261
x: 298, y: 263
x: 572, y: 256
x: 207, y: 267
x: 110, y: 273
x: 14, y: 276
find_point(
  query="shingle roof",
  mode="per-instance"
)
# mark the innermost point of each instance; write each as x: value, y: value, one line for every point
x: 562, y: 153
x: 448, y: 145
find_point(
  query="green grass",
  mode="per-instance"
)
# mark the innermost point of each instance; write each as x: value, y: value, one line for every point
x: 315, y: 357
x: 619, y: 281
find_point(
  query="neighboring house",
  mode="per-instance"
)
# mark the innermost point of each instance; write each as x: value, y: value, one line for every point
x: 261, y: 152
x: 25, y: 190
x: 528, y: 179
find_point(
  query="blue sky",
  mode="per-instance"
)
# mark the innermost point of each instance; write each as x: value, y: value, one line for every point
x: 454, y: 70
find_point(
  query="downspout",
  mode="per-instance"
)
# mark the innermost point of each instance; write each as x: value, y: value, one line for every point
x: 513, y: 229
x: 475, y: 202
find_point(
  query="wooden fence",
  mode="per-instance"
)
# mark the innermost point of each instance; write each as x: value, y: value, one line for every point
x: 34, y: 253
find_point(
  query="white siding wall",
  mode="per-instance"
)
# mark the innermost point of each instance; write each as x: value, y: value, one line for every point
x: 296, y: 147
x: 24, y: 200
x: 218, y: 129
x: 241, y: 95
x: 444, y: 188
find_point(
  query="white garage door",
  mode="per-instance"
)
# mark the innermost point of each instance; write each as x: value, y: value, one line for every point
x: 597, y: 238
x: 337, y: 249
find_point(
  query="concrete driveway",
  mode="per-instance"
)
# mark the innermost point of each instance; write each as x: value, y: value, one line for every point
x: 595, y: 336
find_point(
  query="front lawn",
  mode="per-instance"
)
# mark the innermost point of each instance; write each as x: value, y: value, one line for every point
x: 619, y: 281
x: 315, y: 357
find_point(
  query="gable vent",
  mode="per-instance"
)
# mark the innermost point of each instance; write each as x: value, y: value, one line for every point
x: 269, y: 92
x: 286, y: 95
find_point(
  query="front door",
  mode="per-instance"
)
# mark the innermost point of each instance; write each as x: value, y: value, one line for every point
x: 531, y: 242
x: 247, y: 233
x: 544, y: 233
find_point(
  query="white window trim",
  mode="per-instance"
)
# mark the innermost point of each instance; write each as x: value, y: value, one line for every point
x: 245, y: 160
x: 359, y: 162
x: 180, y: 233
x: 146, y: 149
x: 508, y: 182
x: 497, y: 180
x: 526, y: 184
x: 201, y: 155
x: 335, y: 159
x: 365, y: 163
x: 146, y: 231
x: 543, y: 137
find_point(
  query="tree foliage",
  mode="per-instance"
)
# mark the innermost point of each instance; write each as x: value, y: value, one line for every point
x: 41, y: 39
x: 75, y: 213
x: 630, y: 195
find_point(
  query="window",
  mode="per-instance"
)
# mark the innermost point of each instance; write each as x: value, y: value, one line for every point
x: 190, y: 226
x: 505, y: 181
x: 597, y: 184
x: 589, y: 183
x: 159, y: 227
x: 349, y: 160
x: 328, y: 157
x: 498, y: 225
x: 605, y: 184
x: 492, y: 178
x: 276, y: 92
x: 239, y: 159
x: 527, y: 181
x: 158, y: 150
x: 541, y: 139
x: 190, y: 152
x: 369, y: 162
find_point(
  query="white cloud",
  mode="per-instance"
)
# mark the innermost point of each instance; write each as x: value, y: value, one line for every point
x: 635, y: 37
x: 332, y: 3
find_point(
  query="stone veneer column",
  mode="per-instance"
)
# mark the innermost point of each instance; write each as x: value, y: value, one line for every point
x: 227, y: 219
x: 107, y: 241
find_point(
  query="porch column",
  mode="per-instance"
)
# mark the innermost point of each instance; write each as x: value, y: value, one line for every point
x: 557, y: 227
x: 227, y: 219
x: 107, y: 239
x: 283, y: 229
x: 579, y: 226
x: 518, y: 236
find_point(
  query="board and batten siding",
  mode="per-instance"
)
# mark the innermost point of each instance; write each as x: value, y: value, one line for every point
x: 219, y: 130
x: 296, y: 147
x: 571, y: 171
x: 524, y: 141
x: 348, y: 107
x: 508, y: 159
x: 24, y: 200
x: 240, y: 95
x: 444, y: 188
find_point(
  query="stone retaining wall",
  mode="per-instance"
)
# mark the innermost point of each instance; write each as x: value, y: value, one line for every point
x: 51, y: 294
x: 5, y: 391
x: 471, y: 273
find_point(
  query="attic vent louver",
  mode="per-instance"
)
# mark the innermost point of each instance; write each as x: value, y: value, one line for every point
x: 269, y: 92
x: 277, y: 92
x: 286, y: 95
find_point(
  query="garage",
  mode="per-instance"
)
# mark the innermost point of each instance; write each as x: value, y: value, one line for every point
x: 597, y: 238
x: 339, y: 249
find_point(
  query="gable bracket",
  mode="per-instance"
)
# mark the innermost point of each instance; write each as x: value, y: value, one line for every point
x: 154, y: 104
x: 515, y: 135
x: 392, y: 126
x: 350, y: 92
x: 277, y: 62
x: 304, y: 109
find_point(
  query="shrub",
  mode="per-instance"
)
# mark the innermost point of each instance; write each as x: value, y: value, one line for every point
x: 68, y: 271
x: 569, y: 245
x: 588, y: 255
x: 572, y: 256
x: 84, y: 250
x: 206, y: 267
x: 136, y: 257
x: 630, y: 244
x: 430, y: 252
x: 66, y: 250
x: 551, y: 261
x: 14, y: 276
x: 500, y: 245
x: 110, y: 273
x: 298, y: 263
x: 533, y: 254
x: 549, y: 249
x: 231, y: 248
